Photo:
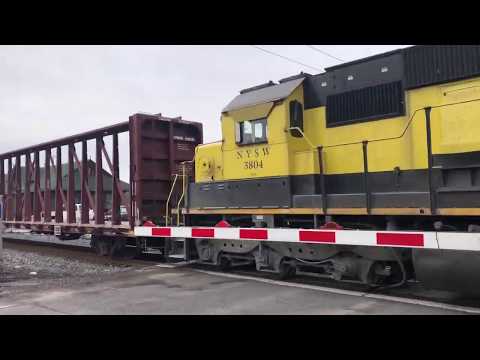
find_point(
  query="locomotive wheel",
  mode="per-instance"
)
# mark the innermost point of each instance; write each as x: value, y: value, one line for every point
x: 286, y: 271
x: 224, y: 263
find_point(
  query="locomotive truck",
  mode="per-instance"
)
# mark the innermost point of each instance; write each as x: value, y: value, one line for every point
x: 368, y: 172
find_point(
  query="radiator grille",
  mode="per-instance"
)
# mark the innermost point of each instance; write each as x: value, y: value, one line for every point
x: 371, y: 103
x: 427, y: 65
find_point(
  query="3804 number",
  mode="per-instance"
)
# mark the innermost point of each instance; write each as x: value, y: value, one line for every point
x: 253, y: 164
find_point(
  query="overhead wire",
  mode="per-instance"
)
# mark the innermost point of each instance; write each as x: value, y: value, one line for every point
x: 286, y: 58
x: 325, y: 53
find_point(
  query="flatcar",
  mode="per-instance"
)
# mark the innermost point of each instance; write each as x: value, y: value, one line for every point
x: 389, y: 142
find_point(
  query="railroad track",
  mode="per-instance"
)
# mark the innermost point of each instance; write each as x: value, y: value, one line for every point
x: 412, y: 293
x: 75, y: 250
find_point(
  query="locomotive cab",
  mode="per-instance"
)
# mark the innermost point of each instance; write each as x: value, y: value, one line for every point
x: 263, y: 137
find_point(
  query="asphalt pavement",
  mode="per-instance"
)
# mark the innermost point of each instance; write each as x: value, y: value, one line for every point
x: 160, y: 290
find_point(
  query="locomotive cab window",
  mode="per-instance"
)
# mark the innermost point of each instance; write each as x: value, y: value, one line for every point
x: 252, y: 132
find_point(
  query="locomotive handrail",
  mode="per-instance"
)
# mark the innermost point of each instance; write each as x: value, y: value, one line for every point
x: 364, y: 143
x: 406, y: 128
x: 168, y: 199
x: 184, y: 175
x: 303, y: 135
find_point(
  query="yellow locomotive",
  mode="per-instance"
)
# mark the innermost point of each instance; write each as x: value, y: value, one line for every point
x: 386, y: 143
x: 391, y: 135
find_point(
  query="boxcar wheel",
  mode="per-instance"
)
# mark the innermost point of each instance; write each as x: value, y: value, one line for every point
x: 118, y: 250
x: 102, y: 247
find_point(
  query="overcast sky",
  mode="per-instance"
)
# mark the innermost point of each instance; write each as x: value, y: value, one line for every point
x: 48, y: 92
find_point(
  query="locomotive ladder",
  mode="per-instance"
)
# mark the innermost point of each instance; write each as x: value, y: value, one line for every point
x: 178, y: 248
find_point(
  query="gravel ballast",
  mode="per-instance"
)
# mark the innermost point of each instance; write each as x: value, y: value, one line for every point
x: 52, y: 266
x: 23, y: 270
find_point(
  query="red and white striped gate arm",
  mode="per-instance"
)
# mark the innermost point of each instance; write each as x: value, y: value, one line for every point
x: 407, y: 239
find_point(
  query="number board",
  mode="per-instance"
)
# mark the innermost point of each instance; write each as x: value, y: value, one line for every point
x: 253, y: 158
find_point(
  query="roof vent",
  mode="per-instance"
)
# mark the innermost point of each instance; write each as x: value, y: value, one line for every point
x: 258, y: 87
x: 294, y: 77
